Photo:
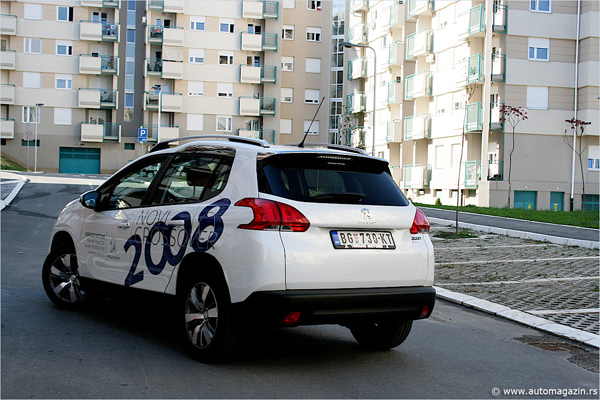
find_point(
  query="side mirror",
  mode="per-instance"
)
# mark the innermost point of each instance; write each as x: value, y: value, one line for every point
x: 89, y: 199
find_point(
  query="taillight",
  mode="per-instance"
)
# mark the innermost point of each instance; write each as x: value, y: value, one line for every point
x: 272, y: 215
x: 420, y: 223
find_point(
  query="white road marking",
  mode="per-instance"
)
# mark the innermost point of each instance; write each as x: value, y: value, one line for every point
x: 519, y: 261
x: 576, y: 311
x: 541, y: 280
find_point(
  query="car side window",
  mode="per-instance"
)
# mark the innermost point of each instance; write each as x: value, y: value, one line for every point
x: 129, y: 191
x: 191, y: 179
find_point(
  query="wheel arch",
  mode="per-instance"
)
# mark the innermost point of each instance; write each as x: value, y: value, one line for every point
x: 196, y: 262
x: 61, y: 238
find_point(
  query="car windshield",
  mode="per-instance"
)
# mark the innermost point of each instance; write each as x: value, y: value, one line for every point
x: 329, y: 178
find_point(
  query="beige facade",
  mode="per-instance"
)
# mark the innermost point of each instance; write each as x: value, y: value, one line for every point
x: 102, y: 69
x: 461, y: 62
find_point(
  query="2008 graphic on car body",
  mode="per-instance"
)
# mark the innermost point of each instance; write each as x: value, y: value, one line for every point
x: 206, y: 218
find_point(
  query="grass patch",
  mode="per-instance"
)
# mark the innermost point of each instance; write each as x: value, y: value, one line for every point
x: 586, y: 219
x: 462, y: 234
x: 9, y: 165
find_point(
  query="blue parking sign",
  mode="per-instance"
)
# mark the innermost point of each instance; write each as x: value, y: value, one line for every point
x: 142, y: 135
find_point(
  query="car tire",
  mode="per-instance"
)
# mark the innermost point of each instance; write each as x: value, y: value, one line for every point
x: 60, y: 278
x: 382, y: 335
x: 213, y: 331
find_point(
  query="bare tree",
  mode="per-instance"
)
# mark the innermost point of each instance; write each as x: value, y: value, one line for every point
x: 470, y: 90
x: 578, y: 146
x: 512, y: 116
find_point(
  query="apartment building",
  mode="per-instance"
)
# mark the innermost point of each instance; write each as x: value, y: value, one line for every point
x: 445, y: 68
x: 84, y: 76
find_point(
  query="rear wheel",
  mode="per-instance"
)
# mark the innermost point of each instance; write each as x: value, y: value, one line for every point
x: 381, y: 335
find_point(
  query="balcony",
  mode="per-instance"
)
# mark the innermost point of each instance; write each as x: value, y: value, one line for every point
x: 8, y: 59
x: 416, y: 176
x: 258, y: 75
x: 354, y: 136
x: 7, y: 94
x: 472, y: 22
x: 397, y: 15
x: 420, y: 7
x: 171, y: 36
x: 99, y: 31
x: 417, y: 127
x: 257, y: 106
x: 169, y: 102
x: 7, y: 128
x: 100, y: 3
x: 167, y: 6
x: 359, y: 5
x: 498, y: 67
x: 260, y: 10
x: 8, y: 24
x: 98, y: 64
x: 472, y: 174
x: 164, y: 69
x: 418, y: 85
x: 97, y: 98
x: 259, y: 42
x: 264, y: 134
x: 166, y: 132
x: 475, y: 117
x: 419, y: 43
x: 105, y: 132
x: 357, y: 34
x: 495, y: 170
x: 496, y: 123
x: 394, y: 131
x: 394, y: 92
x: 396, y: 53
x: 356, y: 103
x: 499, y: 23
x: 472, y: 70
x: 357, y: 68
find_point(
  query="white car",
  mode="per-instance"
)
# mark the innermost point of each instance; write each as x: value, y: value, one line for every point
x: 238, y: 230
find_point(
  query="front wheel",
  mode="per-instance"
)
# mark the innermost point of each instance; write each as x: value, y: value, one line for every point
x: 381, y: 335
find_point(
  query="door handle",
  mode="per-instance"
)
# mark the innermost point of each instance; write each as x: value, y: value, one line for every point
x: 124, y: 225
x: 176, y: 222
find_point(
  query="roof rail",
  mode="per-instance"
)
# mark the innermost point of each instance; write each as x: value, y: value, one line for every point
x: 332, y: 147
x: 239, y: 139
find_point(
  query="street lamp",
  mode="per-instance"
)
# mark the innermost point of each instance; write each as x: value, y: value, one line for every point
x: 157, y: 87
x: 349, y: 45
x: 37, y: 122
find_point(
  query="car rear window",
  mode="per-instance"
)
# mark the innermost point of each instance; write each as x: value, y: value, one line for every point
x: 329, y: 178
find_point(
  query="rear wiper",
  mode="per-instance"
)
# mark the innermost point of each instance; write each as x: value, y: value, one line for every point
x: 344, y: 198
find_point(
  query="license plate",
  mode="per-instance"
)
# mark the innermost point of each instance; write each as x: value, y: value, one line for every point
x: 362, y: 240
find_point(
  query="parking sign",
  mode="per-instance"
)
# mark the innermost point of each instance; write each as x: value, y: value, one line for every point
x: 142, y: 135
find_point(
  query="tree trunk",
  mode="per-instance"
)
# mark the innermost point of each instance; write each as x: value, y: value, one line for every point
x: 510, y: 165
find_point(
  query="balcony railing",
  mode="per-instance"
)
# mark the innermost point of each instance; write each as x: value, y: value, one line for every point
x: 8, y: 59
x: 354, y: 136
x: 472, y: 22
x: 256, y: 106
x: 496, y: 124
x: 166, y: 132
x: 98, y: 64
x: 168, y: 6
x: 170, y: 36
x: 356, y: 102
x: 357, y: 68
x: 394, y: 92
x: 500, y: 18
x: 104, y: 132
x: 417, y: 127
x: 498, y: 67
x: 475, y: 117
x: 419, y: 43
x: 396, y: 53
x: 260, y: 10
x: 418, y: 85
x: 101, y: 3
x: 258, y: 74
x: 99, y: 31
x: 359, y: 5
x: 7, y: 93
x: 472, y: 174
x: 420, y: 7
x: 416, y: 176
x: 7, y: 128
x: 169, y: 101
x: 264, y: 134
x: 97, y: 98
x: 357, y: 34
x: 259, y: 42
x: 8, y: 24
x: 394, y: 131
x: 472, y: 69
x: 397, y: 15
x: 495, y: 170
x: 164, y: 68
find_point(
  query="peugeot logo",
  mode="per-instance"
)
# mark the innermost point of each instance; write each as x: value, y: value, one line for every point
x: 366, y: 213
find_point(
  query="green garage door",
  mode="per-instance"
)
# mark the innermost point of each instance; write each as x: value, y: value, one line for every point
x: 556, y: 201
x: 77, y: 160
x: 525, y: 199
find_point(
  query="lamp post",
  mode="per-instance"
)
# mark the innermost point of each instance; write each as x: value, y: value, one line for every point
x: 349, y: 45
x: 157, y: 87
x: 37, y: 121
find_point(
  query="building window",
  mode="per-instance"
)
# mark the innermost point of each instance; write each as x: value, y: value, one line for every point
x: 537, y: 98
x: 129, y: 99
x: 198, y: 23
x: 196, y: 56
x: 33, y: 46
x: 313, y: 65
x: 287, y: 63
x: 287, y: 32
x: 63, y: 116
x: 64, y: 48
x: 29, y: 115
x: 539, y: 49
x: 32, y: 11
x: 224, y: 124
x: 287, y: 95
x: 313, y: 34
x: 226, y: 58
x: 311, y: 96
x: 129, y: 146
x: 311, y: 129
x: 32, y: 80
x: 254, y: 29
x: 64, y: 14
x: 314, y: 4
x: 29, y: 143
x: 195, y: 89
x: 64, y: 82
x: 594, y: 158
x: 540, y: 6
x: 285, y: 126
x: 225, y: 90
x: 195, y: 122
x: 226, y: 26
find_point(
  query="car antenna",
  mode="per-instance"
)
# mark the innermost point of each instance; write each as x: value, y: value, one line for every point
x: 301, y: 144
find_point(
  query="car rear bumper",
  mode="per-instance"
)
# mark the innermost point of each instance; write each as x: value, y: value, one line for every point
x: 341, y: 306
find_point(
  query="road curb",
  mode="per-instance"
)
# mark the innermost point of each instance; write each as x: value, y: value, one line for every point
x: 13, y: 193
x: 519, y: 234
x: 519, y: 316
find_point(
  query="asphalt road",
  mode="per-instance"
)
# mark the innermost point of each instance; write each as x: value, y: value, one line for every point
x: 127, y: 349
